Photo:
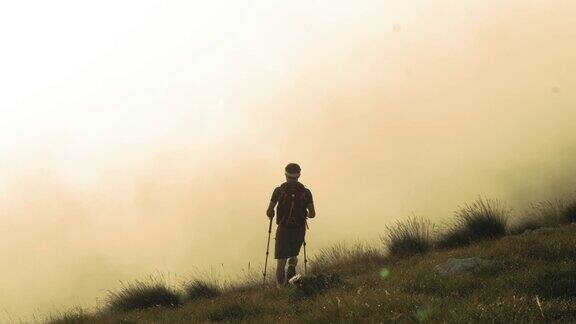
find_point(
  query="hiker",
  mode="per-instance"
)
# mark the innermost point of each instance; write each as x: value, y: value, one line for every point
x: 295, y: 205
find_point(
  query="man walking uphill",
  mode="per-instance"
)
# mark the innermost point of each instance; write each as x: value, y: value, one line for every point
x: 294, y: 205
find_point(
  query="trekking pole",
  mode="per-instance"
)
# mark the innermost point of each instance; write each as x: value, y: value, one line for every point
x: 305, y: 258
x: 267, y: 251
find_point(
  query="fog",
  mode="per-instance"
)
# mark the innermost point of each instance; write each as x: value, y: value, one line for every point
x: 146, y: 139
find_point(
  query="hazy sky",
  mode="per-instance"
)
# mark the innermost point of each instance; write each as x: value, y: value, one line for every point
x: 146, y: 136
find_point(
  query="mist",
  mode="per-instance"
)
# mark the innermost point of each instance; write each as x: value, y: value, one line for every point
x: 152, y: 146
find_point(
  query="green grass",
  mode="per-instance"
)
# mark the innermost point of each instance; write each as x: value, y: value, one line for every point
x: 531, y: 279
x: 406, y: 290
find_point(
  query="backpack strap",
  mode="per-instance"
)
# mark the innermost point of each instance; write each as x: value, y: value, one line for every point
x: 281, y: 201
x: 290, y: 219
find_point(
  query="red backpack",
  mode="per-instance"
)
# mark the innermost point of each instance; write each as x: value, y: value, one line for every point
x: 292, y: 204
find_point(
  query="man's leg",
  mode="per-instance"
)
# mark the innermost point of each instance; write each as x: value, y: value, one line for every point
x: 281, y: 272
x: 291, y: 271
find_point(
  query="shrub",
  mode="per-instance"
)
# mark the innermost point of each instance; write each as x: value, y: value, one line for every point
x: 140, y: 295
x: 569, y: 211
x: 528, y: 223
x: 409, y: 237
x: 549, y: 212
x: 481, y: 220
x: 484, y: 219
x: 74, y: 316
x: 198, y: 289
x: 340, y: 258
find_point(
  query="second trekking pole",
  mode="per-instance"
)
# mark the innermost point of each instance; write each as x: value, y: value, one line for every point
x: 305, y: 258
x: 267, y: 251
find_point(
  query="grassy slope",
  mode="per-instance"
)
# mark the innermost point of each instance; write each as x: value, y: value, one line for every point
x: 542, y: 263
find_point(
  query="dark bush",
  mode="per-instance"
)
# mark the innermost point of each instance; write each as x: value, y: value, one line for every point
x: 482, y: 220
x: 569, y: 211
x: 140, y: 295
x: 409, y: 237
x: 199, y: 289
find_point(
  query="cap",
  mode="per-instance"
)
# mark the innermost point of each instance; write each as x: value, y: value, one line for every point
x: 292, y: 170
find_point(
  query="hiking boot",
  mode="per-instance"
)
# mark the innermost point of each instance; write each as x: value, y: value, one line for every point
x: 296, y: 280
x: 290, y: 272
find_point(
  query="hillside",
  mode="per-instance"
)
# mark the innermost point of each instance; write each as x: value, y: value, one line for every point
x: 528, y: 278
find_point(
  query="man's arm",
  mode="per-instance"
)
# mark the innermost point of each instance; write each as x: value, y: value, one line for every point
x: 310, y: 207
x: 270, y: 210
x: 311, y: 210
x: 273, y: 201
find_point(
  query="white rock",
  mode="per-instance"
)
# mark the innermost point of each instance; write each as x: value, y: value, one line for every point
x: 454, y: 266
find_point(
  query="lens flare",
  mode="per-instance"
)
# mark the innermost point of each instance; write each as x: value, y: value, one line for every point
x: 423, y: 313
x: 384, y: 273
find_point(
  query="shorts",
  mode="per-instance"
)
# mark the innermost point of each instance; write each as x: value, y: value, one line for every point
x: 288, y: 242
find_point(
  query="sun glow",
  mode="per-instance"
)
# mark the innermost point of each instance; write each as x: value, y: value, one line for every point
x: 143, y: 136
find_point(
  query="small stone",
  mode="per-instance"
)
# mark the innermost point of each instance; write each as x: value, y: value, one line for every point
x: 455, y: 266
